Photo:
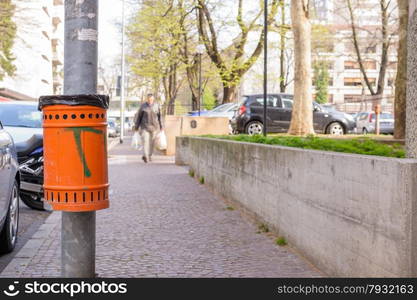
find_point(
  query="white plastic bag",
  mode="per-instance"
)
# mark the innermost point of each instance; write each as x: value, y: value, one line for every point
x: 161, y: 141
x: 136, y: 140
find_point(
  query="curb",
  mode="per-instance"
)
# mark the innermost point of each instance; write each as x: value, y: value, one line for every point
x: 112, y: 144
x: 20, y: 261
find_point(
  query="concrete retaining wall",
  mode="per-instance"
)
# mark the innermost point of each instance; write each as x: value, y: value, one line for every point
x: 350, y: 215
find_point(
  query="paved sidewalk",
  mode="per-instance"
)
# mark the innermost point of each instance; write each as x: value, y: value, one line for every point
x: 162, y: 223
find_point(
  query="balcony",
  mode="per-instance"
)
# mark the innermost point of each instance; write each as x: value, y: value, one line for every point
x: 56, y: 59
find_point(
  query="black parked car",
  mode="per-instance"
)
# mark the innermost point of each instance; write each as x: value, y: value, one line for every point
x: 9, y: 192
x: 249, y: 117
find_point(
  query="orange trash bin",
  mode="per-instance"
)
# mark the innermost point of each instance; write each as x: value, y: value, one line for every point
x: 75, y: 152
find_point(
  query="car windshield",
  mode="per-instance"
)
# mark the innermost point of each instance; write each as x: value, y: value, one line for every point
x: 222, y: 108
x: 18, y: 115
x: 383, y: 116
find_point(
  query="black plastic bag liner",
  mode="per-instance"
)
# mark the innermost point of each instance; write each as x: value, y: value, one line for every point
x: 74, y: 100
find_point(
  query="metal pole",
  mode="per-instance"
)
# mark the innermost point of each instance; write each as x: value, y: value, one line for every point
x: 78, y: 232
x: 199, y: 84
x: 122, y: 88
x: 265, y: 63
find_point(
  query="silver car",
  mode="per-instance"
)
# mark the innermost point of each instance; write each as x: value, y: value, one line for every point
x: 225, y: 110
x: 9, y: 192
x: 366, y: 123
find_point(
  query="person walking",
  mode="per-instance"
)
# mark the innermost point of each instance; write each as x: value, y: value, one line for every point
x: 149, y: 124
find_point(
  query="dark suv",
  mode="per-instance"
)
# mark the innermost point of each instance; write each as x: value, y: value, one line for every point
x: 249, y: 117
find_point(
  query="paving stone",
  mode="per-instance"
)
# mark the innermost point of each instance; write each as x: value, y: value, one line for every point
x: 162, y: 223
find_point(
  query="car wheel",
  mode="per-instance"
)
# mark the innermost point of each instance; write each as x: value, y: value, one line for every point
x: 8, y: 235
x: 364, y: 131
x: 33, y: 202
x: 335, y: 128
x: 254, y: 127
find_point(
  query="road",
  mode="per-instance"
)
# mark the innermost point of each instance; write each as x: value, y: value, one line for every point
x: 29, y: 222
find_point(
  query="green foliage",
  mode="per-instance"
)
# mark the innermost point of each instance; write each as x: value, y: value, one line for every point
x: 209, y: 101
x: 154, y: 34
x: 201, y: 179
x: 365, y: 146
x: 281, y: 241
x: 230, y: 208
x: 191, y: 173
x: 7, y: 36
x: 263, y: 228
x: 321, y: 81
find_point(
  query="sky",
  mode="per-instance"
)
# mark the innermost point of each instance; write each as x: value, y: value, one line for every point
x: 110, y: 39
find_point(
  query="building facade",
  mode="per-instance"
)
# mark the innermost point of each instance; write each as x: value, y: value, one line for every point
x: 38, y: 49
x: 347, y: 88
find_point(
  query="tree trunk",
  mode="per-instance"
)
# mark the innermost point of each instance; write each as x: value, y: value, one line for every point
x: 229, y: 93
x: 302, y: 113
x: 194, y: 102
x: 411, y: 117
x: 171, y: 107
x: 282, y: 33
x: 385, y: 46
x: 401, y: 80
x: 282, y: 76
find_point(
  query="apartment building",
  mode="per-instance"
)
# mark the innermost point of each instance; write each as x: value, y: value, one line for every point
x: 347, y: 83
x: 38, y: 49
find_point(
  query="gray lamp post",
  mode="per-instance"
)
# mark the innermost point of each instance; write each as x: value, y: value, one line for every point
x: 265, y: 63
x: 122, y: 88
x: 200, y: 50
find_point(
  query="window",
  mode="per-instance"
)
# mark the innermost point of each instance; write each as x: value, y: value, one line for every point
x: 363, y: 116
x: 350, y: 65
x: 353, y: 82
x: 354, y: 65
x: 16, y: 115
x: 356, y: 81
x: 350, y: 98
x: 383, y: 116
x: 272, y: 101
x: 287, y: 103
x: 370, y: 49
x: 370, y: 65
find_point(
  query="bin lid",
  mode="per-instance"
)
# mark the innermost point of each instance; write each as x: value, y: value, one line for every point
x: 75, y: 100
